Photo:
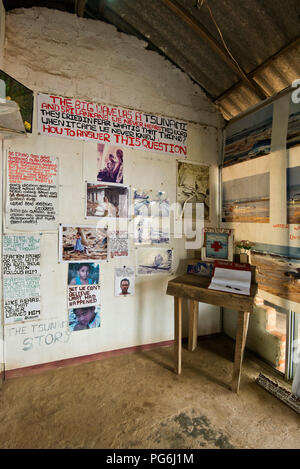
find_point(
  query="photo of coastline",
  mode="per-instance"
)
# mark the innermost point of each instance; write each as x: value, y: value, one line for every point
x: 249, y: 137
x: 293, y: 132
x: 278, y: 270
x: 293, y: 194
x: 247, y: 199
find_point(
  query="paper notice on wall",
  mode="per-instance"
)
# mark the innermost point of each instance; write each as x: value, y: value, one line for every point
x: 83, y: 295
x: 118, y: 244
x: 77, y: 119
x: 124, y: 281
x: 32, y: 191
x: 21, y: 278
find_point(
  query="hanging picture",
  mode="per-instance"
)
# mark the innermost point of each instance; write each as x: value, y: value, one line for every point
x: 83, y: 285
x: 148, y: 203
x: 107, y: 200
x: 246, y: 199
x: 249, y: 137
x: 193, y: 185
x: 124, y: 281
x: 109, y: 163
x: 82, y: 243
x: 293, y: 195
x: 84, y: 318
x: 118, y: 244
x: 154, y: 261
x: 218, y: 244
x: 293, y: 131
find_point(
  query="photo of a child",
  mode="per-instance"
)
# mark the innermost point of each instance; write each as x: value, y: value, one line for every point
x: 83, y: 273
x: 84, y: 318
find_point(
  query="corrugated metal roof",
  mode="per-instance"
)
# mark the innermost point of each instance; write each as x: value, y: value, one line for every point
x: 253, y: 31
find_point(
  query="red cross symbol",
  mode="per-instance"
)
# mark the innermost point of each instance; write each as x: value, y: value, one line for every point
x: 216, y: 246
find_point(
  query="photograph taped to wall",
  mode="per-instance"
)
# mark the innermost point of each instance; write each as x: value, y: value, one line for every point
x: 151, y: 230
x: 154, y: 261
x: 107, y: 200
x: 84, y: 318
x: 148, y: 203
x: 293, y: 131
x: 21, y: 278
x: 118, y: 244
x: 83, y: 295
x: 124, y: 281
x: 293, y: 195
x: 247, y: 199
x: 82, y: 243
x: 249, y: 137
x: 84, y: 273
x: 277, y: 270
x: 218, y: 244
x: 32, y: 192
x: 193, y: 185
x: 109, y: 163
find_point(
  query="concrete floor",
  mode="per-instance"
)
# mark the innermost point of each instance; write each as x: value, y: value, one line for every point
x: 136, y: 401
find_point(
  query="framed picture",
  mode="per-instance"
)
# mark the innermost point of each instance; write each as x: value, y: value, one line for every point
x: 218, y: 244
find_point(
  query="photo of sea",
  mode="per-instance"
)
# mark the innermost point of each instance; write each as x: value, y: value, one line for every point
x: 293, y: 194
x: 293, y: 132
x: 247, y: 200
x: 277, y: 270
x: 249, y: 137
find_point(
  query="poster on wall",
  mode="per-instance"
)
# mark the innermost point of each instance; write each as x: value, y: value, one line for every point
x: 193, y: 185
x: 118, y: 244
x: 277, y: 270
x: 109, y: 163
x: 150, y: 203
x: 247, y: 199
x: 151, y: 230
x: 21, y: 278
x: 32, y: 191
x: 218, y: 244
x: 84, y: 318
x: 293, y: 131
x: 83, y: 285
x: 154, y: 261
x: 124, y: 281
x: 249, y: 137
x: 82, y: 243
x: 77, y: 119
x: 107, y: 200
x: 293, y: 195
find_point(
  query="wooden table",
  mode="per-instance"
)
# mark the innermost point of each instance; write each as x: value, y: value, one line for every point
x: 195, y: 288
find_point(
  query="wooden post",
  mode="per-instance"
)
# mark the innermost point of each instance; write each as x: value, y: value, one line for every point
x: 193, y: 325
x: 178, y: 333
x: 241, y: 335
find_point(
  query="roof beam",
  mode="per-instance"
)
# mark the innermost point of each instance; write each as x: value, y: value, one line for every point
x: 214, y: 44
x: 80, y: 6
x: 284, y: 50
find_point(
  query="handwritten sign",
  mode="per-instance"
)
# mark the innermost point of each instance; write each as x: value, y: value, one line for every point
x: 32, y: 196
x: 77, y: 119
x: 83, y: 295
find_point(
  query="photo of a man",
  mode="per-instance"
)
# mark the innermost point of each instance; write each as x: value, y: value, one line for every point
x: 124, y: 284
x: 124, y: 281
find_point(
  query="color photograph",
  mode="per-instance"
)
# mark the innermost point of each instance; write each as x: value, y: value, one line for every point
x: 249, y: 137
x: 277, y: 270
x: 82, y: 243
x: 247, y: 199
x: 109, y: 163
x: 193, y: 185
x: 293, y: 132
x: 83, y: 273
x: 104, y: 200
x: 293, y: 195
x: 153, y: 261
x: 124, y: 281
x: 84, y: 318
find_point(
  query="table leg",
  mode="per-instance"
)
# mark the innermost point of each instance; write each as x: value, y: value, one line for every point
x: 178, y: 333
x: 193, y: 325
x: 241, y: 335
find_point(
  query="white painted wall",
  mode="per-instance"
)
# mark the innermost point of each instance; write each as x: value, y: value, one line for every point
x: 2, y: 33
x: 87, y: 59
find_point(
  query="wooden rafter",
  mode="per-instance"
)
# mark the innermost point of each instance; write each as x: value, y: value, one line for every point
x: 80, y: 6
x: 214, y: 44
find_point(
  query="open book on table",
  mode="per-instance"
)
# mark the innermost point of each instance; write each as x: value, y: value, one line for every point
x: 231, y: 277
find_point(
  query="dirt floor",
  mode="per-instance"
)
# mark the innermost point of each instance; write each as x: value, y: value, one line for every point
x: 136, y: 401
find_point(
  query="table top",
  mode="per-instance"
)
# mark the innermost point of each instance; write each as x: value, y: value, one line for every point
x: 195, y: 287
